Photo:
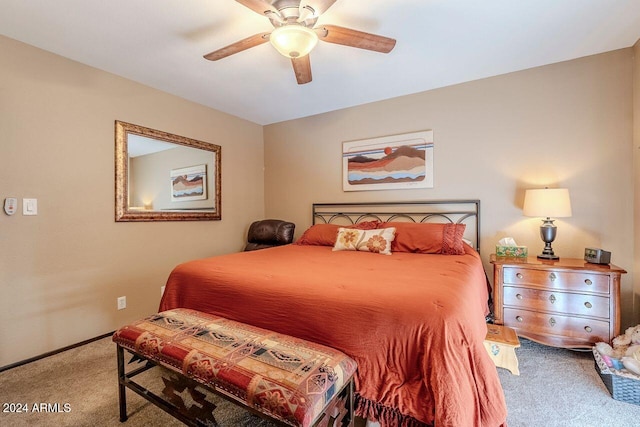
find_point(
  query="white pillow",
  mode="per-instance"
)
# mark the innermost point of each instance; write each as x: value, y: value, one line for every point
x: 377, y: 241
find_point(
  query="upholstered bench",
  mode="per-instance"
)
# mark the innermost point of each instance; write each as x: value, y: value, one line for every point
x: 286, y: 380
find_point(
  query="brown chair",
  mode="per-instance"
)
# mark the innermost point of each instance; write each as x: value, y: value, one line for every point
x: 268, y: 233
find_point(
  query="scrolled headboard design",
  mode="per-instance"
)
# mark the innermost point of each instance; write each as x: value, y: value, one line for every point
x: 453, y: 211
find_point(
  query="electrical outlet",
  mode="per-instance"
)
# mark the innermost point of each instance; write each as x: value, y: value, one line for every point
x: 161, y: 291
x: 122, y: 303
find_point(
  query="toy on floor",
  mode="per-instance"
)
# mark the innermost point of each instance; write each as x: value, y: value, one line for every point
x: 625, y: 352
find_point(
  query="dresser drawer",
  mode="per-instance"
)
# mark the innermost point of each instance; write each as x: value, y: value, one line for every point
x: 555, y: 324
x: 562, y: 302
x: 565, y: 280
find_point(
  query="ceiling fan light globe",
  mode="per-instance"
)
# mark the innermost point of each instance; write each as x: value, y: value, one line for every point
x: 293, y: 41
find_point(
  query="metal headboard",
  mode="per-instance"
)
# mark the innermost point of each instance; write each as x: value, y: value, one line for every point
x: 452, y: 211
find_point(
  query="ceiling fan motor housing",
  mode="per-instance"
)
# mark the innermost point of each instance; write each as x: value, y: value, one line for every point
x: 286, y: 12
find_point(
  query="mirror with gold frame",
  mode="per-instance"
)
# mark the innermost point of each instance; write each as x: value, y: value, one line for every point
x: 165, y: 177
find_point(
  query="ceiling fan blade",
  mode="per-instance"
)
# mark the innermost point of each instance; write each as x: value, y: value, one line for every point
x: 302, y: 69
x: 258, y: 6
x: 354, y: 38
x: 244, y: 44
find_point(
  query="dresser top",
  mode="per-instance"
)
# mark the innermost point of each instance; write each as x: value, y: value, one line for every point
x: 562, y: 263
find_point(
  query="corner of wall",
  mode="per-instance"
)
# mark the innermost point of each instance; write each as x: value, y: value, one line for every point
x: 636, y: 171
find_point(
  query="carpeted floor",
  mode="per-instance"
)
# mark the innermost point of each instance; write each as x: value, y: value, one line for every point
x: 85, y: 380
x: 555, y: 388
x: 561, y: 388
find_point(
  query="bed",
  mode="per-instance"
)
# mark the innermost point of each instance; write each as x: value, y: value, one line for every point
x: 413, y: 320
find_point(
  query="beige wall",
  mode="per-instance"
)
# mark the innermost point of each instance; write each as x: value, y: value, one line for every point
x: 62, y: 270
x: 566, y: 125
x: 636, y: 168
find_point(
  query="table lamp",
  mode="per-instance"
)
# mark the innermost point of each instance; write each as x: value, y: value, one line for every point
x: 547, y: 203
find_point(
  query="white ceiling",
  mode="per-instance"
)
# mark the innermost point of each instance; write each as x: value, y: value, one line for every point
x: 160, y: 43
x: 138, y: 145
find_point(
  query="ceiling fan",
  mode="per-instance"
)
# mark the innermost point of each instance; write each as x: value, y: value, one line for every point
x: 295, y: 35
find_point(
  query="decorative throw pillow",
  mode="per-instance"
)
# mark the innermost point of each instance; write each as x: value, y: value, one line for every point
x: 325, y: 234
x: 377, y: 241
x: 452, y: 243
x: 428, y: 238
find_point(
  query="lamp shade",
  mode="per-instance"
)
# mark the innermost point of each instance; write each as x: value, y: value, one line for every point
x: 293, y: 40
x: 547, y: 202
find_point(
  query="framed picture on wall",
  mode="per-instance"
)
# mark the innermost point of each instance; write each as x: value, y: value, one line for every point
x: 189, y: 183
x: 389, y: 162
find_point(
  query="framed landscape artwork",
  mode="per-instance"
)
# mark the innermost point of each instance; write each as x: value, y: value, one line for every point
x: 390, y: 162
x: 189, y: 183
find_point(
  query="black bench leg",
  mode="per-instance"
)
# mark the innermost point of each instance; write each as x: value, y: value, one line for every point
x: 122, y: 397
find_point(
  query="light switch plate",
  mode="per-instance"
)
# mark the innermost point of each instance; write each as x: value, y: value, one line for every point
x: 29, y: 206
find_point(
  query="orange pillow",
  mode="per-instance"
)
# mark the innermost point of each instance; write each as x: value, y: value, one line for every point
x: 427, y: 238
x: 326, y: 234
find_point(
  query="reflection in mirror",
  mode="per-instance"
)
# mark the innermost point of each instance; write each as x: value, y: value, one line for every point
x: 165, y: 177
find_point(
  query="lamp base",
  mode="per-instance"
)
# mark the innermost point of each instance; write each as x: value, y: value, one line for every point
x: 548, y: 235
x: 550, y: 257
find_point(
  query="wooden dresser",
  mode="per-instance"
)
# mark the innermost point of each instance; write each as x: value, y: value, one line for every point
x: 566, y: 303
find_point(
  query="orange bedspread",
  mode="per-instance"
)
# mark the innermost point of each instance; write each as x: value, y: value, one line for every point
x: 414, y: 323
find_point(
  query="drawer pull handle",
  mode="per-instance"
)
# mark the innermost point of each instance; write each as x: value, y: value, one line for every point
x: 552, y: 298
x: 519, y: 318
x: 588, y: 304
x: 588, y: 282
x: 519, y: 296
x: 588, y: 328
x: 552, y: 321
x: 519, y: 275
x: 552, y: 277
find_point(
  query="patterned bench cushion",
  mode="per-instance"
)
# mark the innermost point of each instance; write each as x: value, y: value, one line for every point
x: 286, y: 378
